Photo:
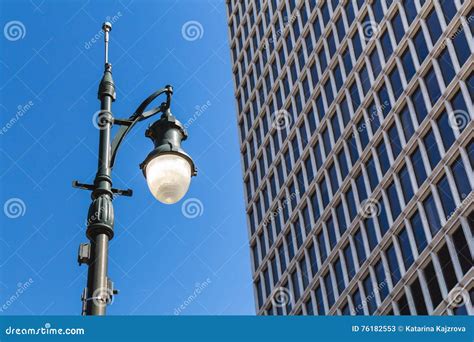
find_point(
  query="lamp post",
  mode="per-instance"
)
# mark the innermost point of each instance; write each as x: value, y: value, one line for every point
x: 167, y: 169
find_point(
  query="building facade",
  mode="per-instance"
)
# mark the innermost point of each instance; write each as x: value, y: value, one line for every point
x: 357, y: 146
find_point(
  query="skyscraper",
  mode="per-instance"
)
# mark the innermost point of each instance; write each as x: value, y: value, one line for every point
x: 356, y: 134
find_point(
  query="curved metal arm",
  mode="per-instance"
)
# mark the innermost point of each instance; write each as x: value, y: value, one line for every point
x: 138, y: 116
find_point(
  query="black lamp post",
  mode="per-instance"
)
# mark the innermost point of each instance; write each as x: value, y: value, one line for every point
x: 168, y: 170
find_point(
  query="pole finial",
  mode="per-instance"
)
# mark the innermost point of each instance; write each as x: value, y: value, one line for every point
x: 106, y: 27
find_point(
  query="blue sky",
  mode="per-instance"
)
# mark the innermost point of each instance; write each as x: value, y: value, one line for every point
x: 50, y: 71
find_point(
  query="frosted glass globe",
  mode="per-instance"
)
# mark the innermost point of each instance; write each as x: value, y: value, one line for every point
x: 168, y: 177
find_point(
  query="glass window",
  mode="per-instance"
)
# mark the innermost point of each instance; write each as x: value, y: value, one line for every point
x: 359, y: 243
x: 322, y: 246
x: 446, y: 66
x: 375, y: 62
x: 407, y: 190
x: 398, y: 29
x: 462, y: 250
x: 418, y: 231
x: 410, y: 10
x: 339, y: 277
x: 386, y: 45
x: 382, y: 284
x: 447, y: 267
x: 361, y: 187
x: 282, y: 257
x: 319, y: 301
x: 383, y: 157
x: 432, y: 282
x: 461, y: 46
x: 431, y: 146
x: 324, y: 192
x: 372, y: 173
x: 402, y: 303
x: 315, y: 206
x: 432, y: 85
x: 341, y: 158
x: 460, y: 178
x: 349, y: 261
x: 312, y: 259
x: 407, y: 124
x: 351, y: 204
x: 421, y: 48
x: 445, y: 127
x: 446, y: 197
x: 258, y: 286
x: 408, y: 65
x: 418, y: 298
x: 393, y: 264
x: 419, y: 104
x: 433, y: 25
x: 369, y: 294
x: 356, y: 300
x: 404, y: 242
x: 331, y: 232
x: 431, y: 214
x: 418, y: 166
x: 296, y: 285
x: 396, y: 83
x: 393, y: 199
x: 371, y: 234
x: 289, y: 243
x: 394, y: 141
x: 329, y: 289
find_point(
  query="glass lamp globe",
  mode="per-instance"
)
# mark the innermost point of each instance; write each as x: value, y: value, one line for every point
x: 168, y: 177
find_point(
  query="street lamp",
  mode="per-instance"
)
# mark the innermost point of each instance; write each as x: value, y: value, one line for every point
x: 168, y: 170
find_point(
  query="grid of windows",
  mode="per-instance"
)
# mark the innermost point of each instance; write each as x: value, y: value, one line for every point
x: 353, y: 122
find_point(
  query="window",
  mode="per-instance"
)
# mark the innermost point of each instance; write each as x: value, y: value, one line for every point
x: 339, y: 277
x: 371, y: 234
x: 312, y: 259
x: 431, y: 146
x: 322, y: 247
x: 447, y: 267
x: 282, y: 257
x: 296, y: 285
x: 359, y: 242
x: 341, y: 218
x: 407, y: 124
x: 396, y: 83
x: 258, y: 286
x: 393, y: 264
x: 431, y: 214
x: 394, y: 140
x: 405, y: 182
x: 383, y: 157
x: 421, y: 48
x: 433, y: 25
x: 402, y: 302
x: 433, y: 286
x: 319, y: 301
x: 393, y: 199
x: 329, y: 289
x: 446, y: 197
x: 462, y: 250
x: 446, y: 66
x: 382, y: 284
x: 460, y: 178
x: 419, y: 168
x: 404, y: 242
x: 331, y: 232
x: 398, y: 29
x: 461, y: 46
x: 304, y: 273
x: 418, y: 298
x: 432, y: 85
x: 444, y: 126
x: 419, y: 104
x: 408, y: 65
x: 418, y: 232
x: 369, y: 294
x: 349, y: 261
